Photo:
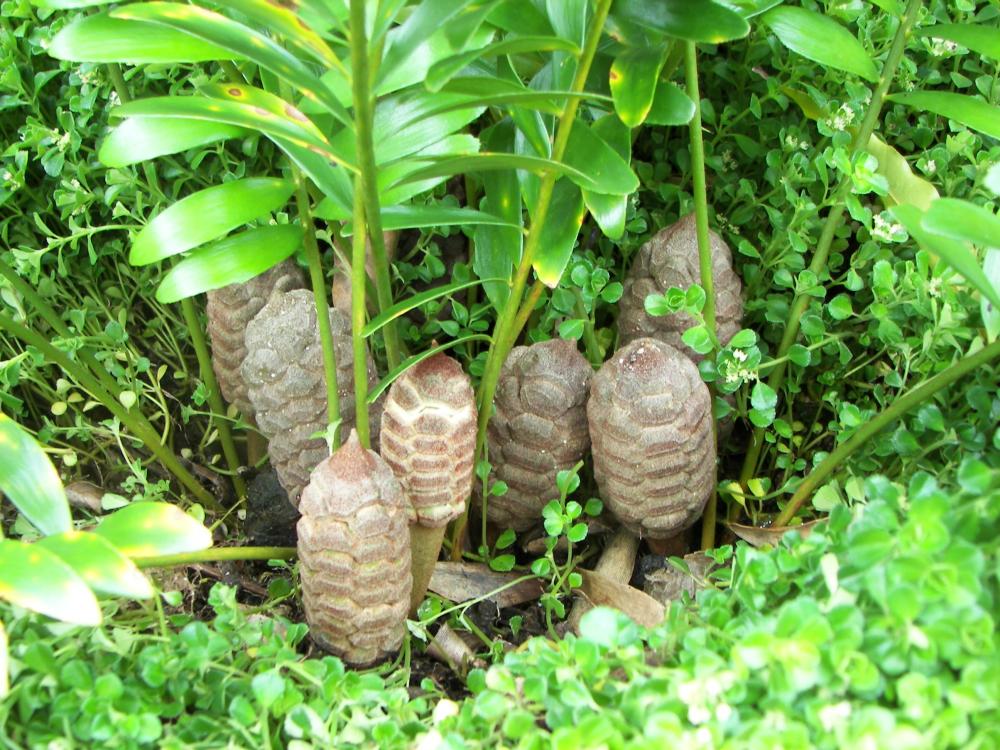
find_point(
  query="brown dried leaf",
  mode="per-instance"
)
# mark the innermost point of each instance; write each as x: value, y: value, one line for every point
x: 461, y: 582
x: 601, y: 591
x: 758, y: 536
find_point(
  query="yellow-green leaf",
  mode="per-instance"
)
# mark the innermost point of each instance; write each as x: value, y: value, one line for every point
x: 30, y: 481
x: 153, y: 529
x: 36, y: 579
x: 820, y: 39
x: 904, y: 186
x: 95, y: 559
x: 230, y: 261
x: 633, y: 78
x: 208, y: 215
x: 559, y: 233
x: 137, y: 140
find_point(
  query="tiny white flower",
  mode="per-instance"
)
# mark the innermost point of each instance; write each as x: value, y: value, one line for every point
x: 739, y: 355
x: 833, y: 715
x: 698, y: 714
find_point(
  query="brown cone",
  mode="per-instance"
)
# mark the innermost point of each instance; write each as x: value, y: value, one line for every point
x: 354, y: 556
x: 650, y: 419
x: 429, y: 437
x: 538, y: 429
x: 286, y: 383
x: 670, y: 259
x: 230, y: 309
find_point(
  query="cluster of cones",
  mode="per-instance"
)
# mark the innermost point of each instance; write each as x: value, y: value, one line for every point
x: 646, y: 416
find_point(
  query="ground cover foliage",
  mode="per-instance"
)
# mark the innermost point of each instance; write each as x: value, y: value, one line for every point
x: 875, y: 628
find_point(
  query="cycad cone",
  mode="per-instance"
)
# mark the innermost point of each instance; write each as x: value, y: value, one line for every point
x: 354, y: 555
x: 429, y: 439
x: 650, y: 419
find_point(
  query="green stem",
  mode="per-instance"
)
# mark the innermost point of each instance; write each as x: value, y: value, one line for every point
x: 507, y: 328
x: 898, y: 408
x: 590, y: 342
x: 704, y: 248
x: 318, y: 282
x: 217, y: 554
x: 358, y: 318
x: 136, y: 426
x: 195, y: 330
x: 801, y: 301
x: 363, y: 119
x: 214, y: 395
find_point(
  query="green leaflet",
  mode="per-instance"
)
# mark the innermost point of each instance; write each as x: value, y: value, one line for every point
x: 633, y: 80
x: 137, y: 140
x: 604, y: 170
x: 37, y: 579
x: 153, y: 529
x: 422, y: 216
x: 559, y: 233
x: 95, y: 559
x: 979, y: 38
x: 968, y: 110
x: 230, y: 261
x: 30, y: 481
x: 820, y: 39
x: 207, y: 215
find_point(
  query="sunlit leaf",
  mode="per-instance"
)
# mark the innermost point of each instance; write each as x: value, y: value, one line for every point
x: 393, y: 183
x: 283, y: 19
x: 414, y: 301
x: 30, y: 481
x: 153, y: 529
x: 4, y: 663
x: 423, y: 216
x: 568, y: 18
x: 293, y: 128
x: 95, y: 559
x: 207, y: 215
x: 443, y: 70
x: 137, y: 140
x: 633, y: 80
x: 608, y: 211
x: 241, y: 41
x: 820, y: 39
x: 36, y: 579
x: 967, y: 110
x: 230, y: 261
x: 990, y: 312
x: 100, y: 38
x: 429, y: 16
x: 977, y: 37
x: 904, y: 186
x: 559, y: 232
x: 953, y: 252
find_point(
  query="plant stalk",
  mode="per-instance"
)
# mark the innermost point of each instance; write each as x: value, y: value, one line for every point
x: 358, y: 316
x: 363, y: 124
x: 704, y: 250
x: 507, y: 329
x: 318, y: 283
x: 141, y: 430
x: 217, y: 554
x: 897, y: 409
x: 801, y: 301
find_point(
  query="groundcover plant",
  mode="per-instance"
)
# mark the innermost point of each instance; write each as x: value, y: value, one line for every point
x: 502, y: 373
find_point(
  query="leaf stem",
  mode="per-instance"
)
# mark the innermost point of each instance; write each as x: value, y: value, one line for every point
x: 363, y: 100
x: 833, y: 220
x: 317, y: 281
x: 217, y: 554
x: 137, y: 426
x: 358, y: 315
x: 894, y: 411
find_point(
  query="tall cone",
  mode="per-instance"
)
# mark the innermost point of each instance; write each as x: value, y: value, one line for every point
x: 286, y: 383
x: 230, y: 310
x: 539, y: 428
x: 354, y: 556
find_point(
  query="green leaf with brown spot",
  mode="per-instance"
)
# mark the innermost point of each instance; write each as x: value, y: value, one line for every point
x: 101, y: 38
x: 284, y: 18
x: 241, y: 41
x: 153, y: 529
x: 207, y: 215
x: 36, y: 579
x: 230, y: 261
x: 95, y: 559
x: 30, y: 481
x: 633, y: 78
